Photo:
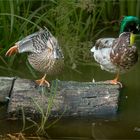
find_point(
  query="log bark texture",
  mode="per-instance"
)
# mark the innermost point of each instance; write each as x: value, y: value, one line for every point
x: 66, y: 98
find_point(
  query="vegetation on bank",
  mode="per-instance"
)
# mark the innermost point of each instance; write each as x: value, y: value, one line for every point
x: 75, y: 23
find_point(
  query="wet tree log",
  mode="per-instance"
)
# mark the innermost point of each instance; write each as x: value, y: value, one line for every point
x: 63, y: 98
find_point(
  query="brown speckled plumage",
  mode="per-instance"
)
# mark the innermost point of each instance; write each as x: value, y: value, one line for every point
x: 122, y: 54
x: 44, y: 52
x: 45, y: 65
x: 115, y: 55
x: 118, y: 55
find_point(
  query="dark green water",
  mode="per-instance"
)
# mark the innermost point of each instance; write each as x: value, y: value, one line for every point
x: 125, y: 125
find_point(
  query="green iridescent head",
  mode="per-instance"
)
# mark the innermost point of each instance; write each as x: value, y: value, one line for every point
x: 130, y: 24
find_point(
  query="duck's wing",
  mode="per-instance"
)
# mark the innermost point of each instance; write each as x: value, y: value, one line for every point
x: 37, y: 42
x: 103, y: 43
x: 123, y: 40
x: 123, y: 54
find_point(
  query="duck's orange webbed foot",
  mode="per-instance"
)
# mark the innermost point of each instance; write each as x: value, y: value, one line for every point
x: 43, y: 81
x: 115, y: 81
x: 12, y: 51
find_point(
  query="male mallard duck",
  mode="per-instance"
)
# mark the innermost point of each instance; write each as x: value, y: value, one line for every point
x: 44, y: 53
x: 118, y: 55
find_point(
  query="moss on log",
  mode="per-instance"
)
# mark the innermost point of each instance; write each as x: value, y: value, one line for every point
x: 70, y: 98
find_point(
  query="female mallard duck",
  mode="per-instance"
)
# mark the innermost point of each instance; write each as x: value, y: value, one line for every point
x: 44, y: 53
x: 118, y: 55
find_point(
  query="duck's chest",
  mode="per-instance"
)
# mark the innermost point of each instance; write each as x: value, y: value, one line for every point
x: 48, y: 65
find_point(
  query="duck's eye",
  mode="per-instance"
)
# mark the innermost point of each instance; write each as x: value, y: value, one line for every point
x: 132, y: 27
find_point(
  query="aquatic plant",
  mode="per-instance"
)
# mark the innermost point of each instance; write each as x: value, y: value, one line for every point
x: 41, y: 122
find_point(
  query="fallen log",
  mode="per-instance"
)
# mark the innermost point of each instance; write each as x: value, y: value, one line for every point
x: 66, y: 98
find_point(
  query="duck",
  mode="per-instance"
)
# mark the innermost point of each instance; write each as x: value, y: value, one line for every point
x: 118, y: 55
x: 44, y: 53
